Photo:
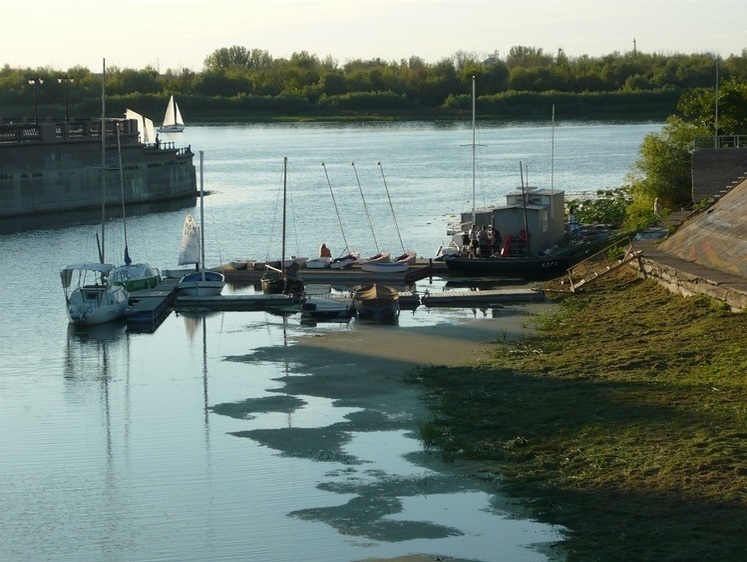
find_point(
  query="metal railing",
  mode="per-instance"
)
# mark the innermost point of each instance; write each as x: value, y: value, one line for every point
x: 721, y: 141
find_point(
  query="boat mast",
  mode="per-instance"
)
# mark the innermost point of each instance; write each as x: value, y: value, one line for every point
x: 285, y: 180
x: 337, y: 211
x: 201, y: 265
x: 474, y: 151
x: 127, y: 259
x: 365, y: 208
x: 102, y: 252
x: 524, y: 203
x: 391, y: 206
x: 552, y: 179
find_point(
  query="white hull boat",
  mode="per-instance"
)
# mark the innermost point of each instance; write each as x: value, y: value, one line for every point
x: 202, y: 284
x: 93, y: 300
x: 409, y: 257
x: 345, y: 262
x: 318, y: 263
x: 384, y: 267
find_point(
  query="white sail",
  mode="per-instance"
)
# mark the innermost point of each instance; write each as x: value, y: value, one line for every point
x: 172, y: 116
x: 172, y: 119
x: 149, y: 132
x: 134, y: 115
x: 189, y: 252
x: 178, y: 120
x: 146, y: 130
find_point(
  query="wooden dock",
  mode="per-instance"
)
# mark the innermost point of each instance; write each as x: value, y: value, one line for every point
x: 495, y: 297
x: 237, y: 302
x: 150, y: 307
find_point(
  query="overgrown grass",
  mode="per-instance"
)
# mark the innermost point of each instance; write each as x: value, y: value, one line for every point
x: 624, y: 420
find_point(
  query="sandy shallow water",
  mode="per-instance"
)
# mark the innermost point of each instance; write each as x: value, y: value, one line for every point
x: 392, y: 491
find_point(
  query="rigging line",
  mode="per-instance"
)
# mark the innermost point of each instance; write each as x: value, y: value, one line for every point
x: 391, y: 206
x: 294, y: 222
x: 275, y: 212
x: 337, y: 212
x: 365, y: 208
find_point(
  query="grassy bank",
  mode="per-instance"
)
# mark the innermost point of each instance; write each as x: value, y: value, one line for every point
x: 624, y: 420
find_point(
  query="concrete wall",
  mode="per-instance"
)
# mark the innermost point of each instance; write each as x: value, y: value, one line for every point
x: 44, y: 178
x: 715, y: 170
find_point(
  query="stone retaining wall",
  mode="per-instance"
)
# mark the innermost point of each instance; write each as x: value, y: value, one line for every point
x: 691, y: 284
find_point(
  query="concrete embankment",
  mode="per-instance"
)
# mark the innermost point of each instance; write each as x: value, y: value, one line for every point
x: 706, y: 254
x: 53, y: 168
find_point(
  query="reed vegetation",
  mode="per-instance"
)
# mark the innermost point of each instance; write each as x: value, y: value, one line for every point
x: 624, y: 420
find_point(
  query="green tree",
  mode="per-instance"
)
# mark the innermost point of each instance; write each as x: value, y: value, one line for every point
x: 663, y: 169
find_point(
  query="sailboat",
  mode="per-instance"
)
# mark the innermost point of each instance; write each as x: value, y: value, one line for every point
x: 201, y: 282
x: 131, y: 276
x: 89, y: 295
x: 172, y: 119
x: 286, y: 279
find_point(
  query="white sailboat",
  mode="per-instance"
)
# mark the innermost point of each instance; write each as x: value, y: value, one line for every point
x: 132, y: 276
x: 172, y: 119
x: 89, y: 295
x: 201, y: 282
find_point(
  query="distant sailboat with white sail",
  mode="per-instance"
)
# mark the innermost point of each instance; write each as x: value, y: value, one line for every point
x: 173, y: 122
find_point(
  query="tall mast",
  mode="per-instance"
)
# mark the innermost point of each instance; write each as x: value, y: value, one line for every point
x: 202, y: 215
x: 474, y: 151
x: 102, y: 250
x: 524, y: 203
x: 552, y: 179
x: 127, y: 259
x: 285, y: 185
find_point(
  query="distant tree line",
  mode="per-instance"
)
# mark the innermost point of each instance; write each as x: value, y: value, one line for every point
x: 240, y: 84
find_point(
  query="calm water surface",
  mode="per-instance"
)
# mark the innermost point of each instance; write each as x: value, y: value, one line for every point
x: 175, y: 445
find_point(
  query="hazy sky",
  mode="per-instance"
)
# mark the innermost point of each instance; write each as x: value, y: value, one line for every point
x: 179, y: 34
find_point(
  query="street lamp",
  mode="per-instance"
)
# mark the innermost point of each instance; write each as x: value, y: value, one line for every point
x: 36, y: 81
x: 65, y: 80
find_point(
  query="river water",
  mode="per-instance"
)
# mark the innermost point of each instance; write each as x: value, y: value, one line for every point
x: 202, y: 441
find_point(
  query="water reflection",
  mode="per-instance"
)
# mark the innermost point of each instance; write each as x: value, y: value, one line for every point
x: 357, y: 418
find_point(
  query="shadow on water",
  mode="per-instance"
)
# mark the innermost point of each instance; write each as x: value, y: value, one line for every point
x: 89, y: 216
x: 392, y: 489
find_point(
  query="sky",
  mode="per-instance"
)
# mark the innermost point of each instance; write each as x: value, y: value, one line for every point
x: 179, y: 34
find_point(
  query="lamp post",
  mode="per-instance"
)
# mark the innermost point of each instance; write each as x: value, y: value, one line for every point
x: 34, y: 82
x: 65, y: 80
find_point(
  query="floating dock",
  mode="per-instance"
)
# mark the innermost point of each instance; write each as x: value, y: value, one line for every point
x: 150, y: 307
x: 495, y: 297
